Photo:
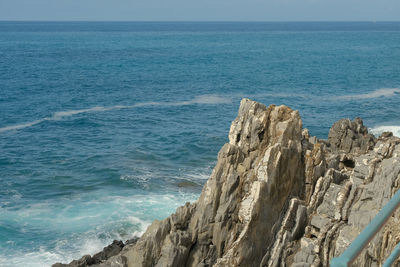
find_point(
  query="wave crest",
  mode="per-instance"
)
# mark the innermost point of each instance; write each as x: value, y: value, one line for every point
x: 383, y: 92
x: 377, y: 131
x: 202, y: 99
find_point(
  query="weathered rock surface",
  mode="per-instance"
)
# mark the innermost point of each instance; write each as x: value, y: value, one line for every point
x: 350, y: 136
x: 279, y: 197
x: 99, y: 259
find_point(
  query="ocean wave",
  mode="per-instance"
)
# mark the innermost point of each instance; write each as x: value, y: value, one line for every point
x: 211, y: 100
x: 377, y: 131
x: 143, y: 225
x: 21, y: 126
x: 87, y: 227
x: 62, y: 114
x: 202, y: 99
x: 67, y: 250
x: 383, y: 92
x: 198, y: 176
x: 33, y: 259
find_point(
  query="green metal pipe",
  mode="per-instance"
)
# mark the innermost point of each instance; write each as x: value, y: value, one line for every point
x: 393, y: 256
x: 362, y: 240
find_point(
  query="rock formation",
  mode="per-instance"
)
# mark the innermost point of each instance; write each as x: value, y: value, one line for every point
x: 279, y: 197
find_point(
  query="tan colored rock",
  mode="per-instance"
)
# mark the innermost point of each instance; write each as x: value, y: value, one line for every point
x: 237, y: 215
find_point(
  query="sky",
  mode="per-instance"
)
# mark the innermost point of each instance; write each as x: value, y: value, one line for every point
x: 200, y: 10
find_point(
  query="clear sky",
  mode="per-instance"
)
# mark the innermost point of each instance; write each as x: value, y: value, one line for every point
x: 201, y: 10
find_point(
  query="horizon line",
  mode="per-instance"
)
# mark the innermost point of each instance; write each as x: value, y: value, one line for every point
x: 214, y: 21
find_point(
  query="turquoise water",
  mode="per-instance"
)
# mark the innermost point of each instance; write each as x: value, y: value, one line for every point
x: 101, y: 122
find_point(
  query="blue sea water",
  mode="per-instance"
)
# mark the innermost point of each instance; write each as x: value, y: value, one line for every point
x: 100, y: 123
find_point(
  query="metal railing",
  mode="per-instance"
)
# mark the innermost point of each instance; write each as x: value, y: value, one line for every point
x: 355, y: 248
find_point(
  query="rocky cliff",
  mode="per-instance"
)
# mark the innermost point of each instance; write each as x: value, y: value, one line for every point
x: 278, y: 197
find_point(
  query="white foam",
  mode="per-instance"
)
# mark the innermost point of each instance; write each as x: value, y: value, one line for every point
x: 78, y: 245
x: 61, y: 114
x: 211, y: 99
x: 202, y: 99
x: 197, y: 176
x: 142, y: 225
x: 20, y: 126
x: 383, y: 92
x: 33, y: 259
x: 377, y: 131
x: 88, y: 222
x: 65, y: 251
x: 282, y: 95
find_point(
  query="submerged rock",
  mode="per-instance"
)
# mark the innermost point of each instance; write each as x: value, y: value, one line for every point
x: 278, y: 197
x: 187, y: 184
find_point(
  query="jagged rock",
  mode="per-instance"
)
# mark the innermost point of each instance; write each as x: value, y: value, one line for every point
x: 256, y: 174
x: 115, y: 261
x: 279, y: 197
x: 131, y: 241
x: 111, y: 250
x: 350, y: 136
x: 345, y: 207
x: 108, y: 252
x: 82, y: 262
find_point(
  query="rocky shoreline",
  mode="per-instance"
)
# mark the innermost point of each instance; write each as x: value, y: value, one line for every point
x: 276, y: 197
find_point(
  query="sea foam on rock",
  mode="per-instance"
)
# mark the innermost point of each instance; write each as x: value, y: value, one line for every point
x: 279, y: 197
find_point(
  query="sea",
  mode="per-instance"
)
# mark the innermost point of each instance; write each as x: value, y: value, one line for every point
x: 107, y: 126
